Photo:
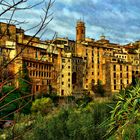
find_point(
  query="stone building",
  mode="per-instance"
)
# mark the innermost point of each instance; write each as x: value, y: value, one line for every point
x: 18, y: 49
x: 105, y: 61
x: 69, y: 67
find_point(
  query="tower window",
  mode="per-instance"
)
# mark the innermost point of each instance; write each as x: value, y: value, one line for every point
x: 115, y: 87
x: 62, y: 92
x: 114, y: 75
x: 114, y: 67
x: 120, y: 67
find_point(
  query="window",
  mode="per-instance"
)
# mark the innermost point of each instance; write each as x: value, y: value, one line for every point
x: 62, y: 92
x: 37, y: 87
x: 120, y: 67
x: 98, y: 52
x: 69, y: 74
x: 68, y: 85
x: 62, y: 75
x: 68, y: 80
x: 127, y: 75
x: 114, y: 67
x: 114, y: 75
x: 63, y: 60
x: 133, y: 72
x: 74, y: 78
x: 44, y: 74
x: 127, y: 68
x: 114, y: 82
x: 98, y: 61
x: 62, y: 66
x: 92, y: 73
x: 68, y: 67
x: 34, y: 65
x: 115, y: 87
x: 62, y: 83
x: 120, y: 75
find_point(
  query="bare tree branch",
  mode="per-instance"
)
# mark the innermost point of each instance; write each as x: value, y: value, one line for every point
x: 12, y: 6
x: 16, y: 110
x: 41, y: 26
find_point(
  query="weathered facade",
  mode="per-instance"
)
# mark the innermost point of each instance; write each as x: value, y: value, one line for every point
x: 69, y: 67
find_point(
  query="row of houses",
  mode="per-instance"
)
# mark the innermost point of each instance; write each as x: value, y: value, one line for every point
x: 69, y: 67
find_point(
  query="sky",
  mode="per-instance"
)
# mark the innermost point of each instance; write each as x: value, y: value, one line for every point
x: 118, y: 20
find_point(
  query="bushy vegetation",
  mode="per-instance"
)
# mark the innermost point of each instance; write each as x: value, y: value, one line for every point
x: 71, y: 123
x: 81, y: 119
x: 125, y: 116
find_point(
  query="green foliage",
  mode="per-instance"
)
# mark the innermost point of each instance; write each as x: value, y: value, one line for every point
x: 98, y: 89
x: 25, y: 88
x: 65, y: 123
x: 24, y: 80
x: 126, y: 114
x: 43, y: 105
x: 21, y: 104
x: 83, y: 101
x: 53, y: 96
x: 6, y: 110
x: 56, y: 126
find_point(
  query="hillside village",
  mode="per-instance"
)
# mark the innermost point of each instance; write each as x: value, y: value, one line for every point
x: 68, y: 67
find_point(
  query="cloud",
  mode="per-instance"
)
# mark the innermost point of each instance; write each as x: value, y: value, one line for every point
x: 118, y: 20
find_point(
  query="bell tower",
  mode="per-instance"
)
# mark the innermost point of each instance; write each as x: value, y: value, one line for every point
x: 80, y: 31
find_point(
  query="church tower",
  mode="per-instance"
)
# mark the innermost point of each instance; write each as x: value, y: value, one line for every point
x: 80, y: 31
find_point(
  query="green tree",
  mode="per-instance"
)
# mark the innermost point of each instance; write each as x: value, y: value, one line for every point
x: 25, y: 87
x: 126, y: 114
x: 9, y: 104
x: 24, y: 80
x: 43, y: 106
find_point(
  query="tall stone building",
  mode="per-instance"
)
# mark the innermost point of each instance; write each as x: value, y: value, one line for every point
x: 105, y: 61
x: 69, y: 67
